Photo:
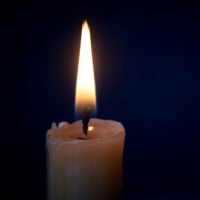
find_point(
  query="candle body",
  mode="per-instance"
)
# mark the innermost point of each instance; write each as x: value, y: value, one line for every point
x: 85, y: 169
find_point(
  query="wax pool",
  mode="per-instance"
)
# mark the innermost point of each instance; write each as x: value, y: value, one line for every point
x: 85, y: 169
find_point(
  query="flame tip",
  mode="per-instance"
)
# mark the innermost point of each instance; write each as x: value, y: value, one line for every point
x: 85, y: 23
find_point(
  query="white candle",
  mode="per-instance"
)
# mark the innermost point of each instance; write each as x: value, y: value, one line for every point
x: 85, y: 169
x: 85, y: 163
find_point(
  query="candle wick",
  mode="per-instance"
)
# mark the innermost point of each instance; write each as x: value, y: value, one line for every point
x: 85, y: 119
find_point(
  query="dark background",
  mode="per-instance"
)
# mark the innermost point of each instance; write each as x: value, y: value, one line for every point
x: 146, y: 60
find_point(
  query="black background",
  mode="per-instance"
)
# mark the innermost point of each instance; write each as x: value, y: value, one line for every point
x: 146, y: 60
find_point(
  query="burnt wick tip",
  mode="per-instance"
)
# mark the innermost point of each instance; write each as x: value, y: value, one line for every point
x: 85, y: 129
x: 85, y: 119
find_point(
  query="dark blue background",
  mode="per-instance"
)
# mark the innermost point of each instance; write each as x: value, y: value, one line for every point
x: 146, y: 60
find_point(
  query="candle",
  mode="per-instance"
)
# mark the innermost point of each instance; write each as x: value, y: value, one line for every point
x: 84, y: 159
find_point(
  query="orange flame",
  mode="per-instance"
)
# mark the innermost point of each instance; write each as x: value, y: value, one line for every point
x: 85, y: 83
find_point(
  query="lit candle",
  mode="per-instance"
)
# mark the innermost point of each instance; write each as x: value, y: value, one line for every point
x: 84, y: 159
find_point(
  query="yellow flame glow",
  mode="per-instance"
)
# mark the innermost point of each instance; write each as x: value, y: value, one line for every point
x: 85, y: 83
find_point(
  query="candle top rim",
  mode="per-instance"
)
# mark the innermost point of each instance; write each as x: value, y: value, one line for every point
x: 105, y: 130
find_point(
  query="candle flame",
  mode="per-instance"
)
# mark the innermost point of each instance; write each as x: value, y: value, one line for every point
x: 85, y: 83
